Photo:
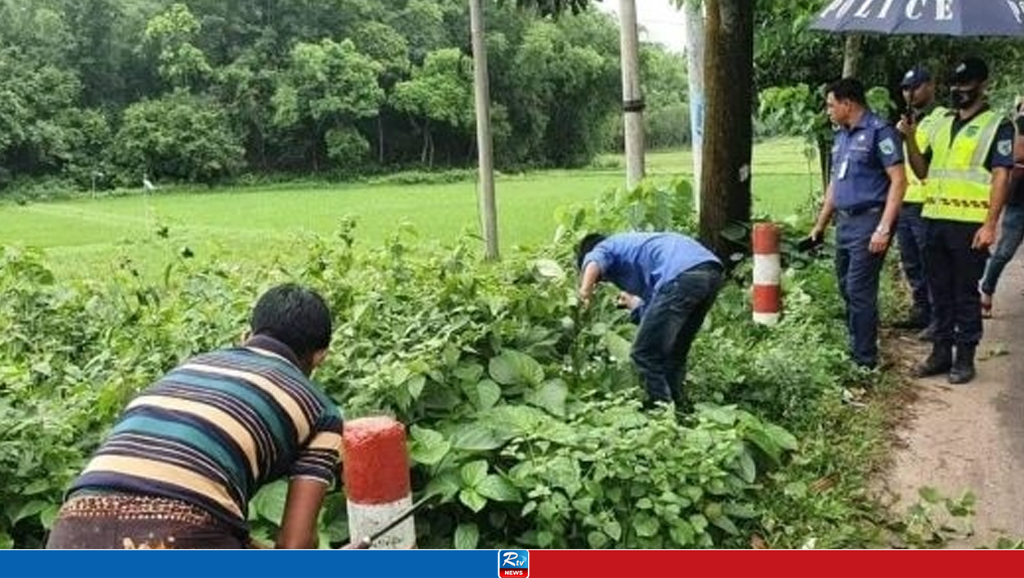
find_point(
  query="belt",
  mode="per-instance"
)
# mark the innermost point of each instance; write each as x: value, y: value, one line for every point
x: 858, y: 211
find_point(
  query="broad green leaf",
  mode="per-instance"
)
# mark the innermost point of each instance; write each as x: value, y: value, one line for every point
x: 765, y: 443
x: 469, y: 372
x: 724, y: 523
x: 36, y: 487
x: 472, y: 500
x: 549, y: 269
x: 550, y: 396
x: 445, y: 485
x: 781, y: 437
x: 428, y: 447
x: 6, y: 542
x: 747, y: 467
x: 929, y: 494
x: 618, y: 347
x: 497, y: 488
x: 467, y: 536
x: 645, y: 526
x: 27, y: 510
x: 473, y: 473
x: 48, y: 516
x: 489, y: 394
x: 597, y: 540
x: 742, y: 511
x: 681, y: 533
x: 513, y: 367
x: 270, y: 500
x: 613, y: 529
x: 477, y: 437
x: 564, y: 473
x: 415, y: 385
x: 517, y: 419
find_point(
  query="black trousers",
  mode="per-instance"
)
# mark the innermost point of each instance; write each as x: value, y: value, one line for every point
x: 954, y: 270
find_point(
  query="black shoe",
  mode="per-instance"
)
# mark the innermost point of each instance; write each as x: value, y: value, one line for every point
x: 938, y: 362
x: 963, y: 368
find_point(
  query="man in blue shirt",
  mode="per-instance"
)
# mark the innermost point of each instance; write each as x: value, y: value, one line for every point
x: 865, y: 194
x: 668, y: 282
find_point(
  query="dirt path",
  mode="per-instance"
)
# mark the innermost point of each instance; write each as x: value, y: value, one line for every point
x: 958, y: 438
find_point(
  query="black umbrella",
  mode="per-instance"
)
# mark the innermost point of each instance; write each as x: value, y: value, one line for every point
x: 933, y: 17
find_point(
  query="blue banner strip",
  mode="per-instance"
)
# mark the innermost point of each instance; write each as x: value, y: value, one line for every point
x: 249, y: 564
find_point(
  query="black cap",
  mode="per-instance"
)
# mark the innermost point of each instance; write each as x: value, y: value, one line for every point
x: 915, y: 77
x: 969, y: 70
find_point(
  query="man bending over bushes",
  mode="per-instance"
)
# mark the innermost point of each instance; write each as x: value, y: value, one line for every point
x: 190, y: 451
x: 668, y: 282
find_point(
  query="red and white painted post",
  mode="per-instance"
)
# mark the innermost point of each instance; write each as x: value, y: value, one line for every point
x: 767, y: 274
x: 376, y: 472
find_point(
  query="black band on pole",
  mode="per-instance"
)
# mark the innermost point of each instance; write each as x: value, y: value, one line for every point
x: 633, y: 105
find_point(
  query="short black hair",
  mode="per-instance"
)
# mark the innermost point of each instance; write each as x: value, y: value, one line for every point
x: 587, y: 245
x: 294, y: 315
x: 849, y: 89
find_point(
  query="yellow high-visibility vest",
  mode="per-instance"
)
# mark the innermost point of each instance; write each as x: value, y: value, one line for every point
x: 927, y: 129
x: 958, y: 182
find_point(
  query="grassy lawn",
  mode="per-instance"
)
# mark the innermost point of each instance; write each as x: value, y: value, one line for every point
x: 87, y: 237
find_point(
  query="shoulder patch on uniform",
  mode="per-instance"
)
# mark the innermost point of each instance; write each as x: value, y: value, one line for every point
x: 887, y: 146
x: 1005, y: 147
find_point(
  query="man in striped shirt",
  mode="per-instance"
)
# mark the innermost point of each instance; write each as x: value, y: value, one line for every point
x: 190, y: 451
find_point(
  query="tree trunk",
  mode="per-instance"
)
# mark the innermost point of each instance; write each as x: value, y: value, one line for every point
x: 484, y: 136
x: 851, y: 55
x: 430, y: 147
x: 824, y: 161
x: 632, y: 99
x: 728, y: 124
x: 424, y: 155
x: 693, y: 14
x: 380, y: 139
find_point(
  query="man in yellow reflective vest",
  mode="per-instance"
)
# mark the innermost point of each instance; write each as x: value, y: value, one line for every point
x: 919, y: 94
x: 967, y: 167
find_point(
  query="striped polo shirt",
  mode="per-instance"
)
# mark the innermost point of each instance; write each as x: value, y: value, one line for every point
x: 217, y: 428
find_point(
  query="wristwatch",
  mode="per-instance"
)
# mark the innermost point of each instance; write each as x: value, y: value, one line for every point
x: 882, y: 230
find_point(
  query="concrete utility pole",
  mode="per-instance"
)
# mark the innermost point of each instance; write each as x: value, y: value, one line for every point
x: 632, y: 99
x: 693, y: 16
x: 484, y: 142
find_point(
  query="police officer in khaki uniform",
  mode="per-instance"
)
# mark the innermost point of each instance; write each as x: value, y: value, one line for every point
x: 967, y: 167
x: 919, y: 94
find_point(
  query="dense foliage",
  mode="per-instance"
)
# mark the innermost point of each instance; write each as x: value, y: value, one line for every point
x: 99, y: 93
x: 522, y: 409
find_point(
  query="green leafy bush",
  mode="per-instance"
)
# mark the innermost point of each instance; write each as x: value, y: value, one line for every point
x: 522, y: 409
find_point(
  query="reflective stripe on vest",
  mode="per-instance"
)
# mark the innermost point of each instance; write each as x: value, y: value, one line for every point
x: 927, y: 130
x: 958, y: 182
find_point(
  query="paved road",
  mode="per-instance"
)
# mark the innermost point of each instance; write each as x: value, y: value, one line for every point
x: 971, y: 437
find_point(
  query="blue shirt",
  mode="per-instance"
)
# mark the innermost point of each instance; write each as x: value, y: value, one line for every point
x: 640, y: 263
x: 860, y: 156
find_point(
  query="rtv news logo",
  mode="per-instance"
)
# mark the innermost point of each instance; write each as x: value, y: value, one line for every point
x: 513, y: 563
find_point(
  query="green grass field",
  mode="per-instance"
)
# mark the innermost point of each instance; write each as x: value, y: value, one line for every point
x: 86, y: 237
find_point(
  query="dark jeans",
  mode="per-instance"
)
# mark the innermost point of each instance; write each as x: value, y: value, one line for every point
x: 910, y: 233
x: 954, y: 269
x: 668, y: 327
x: 1011, y: 233
x: 858, y: 270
